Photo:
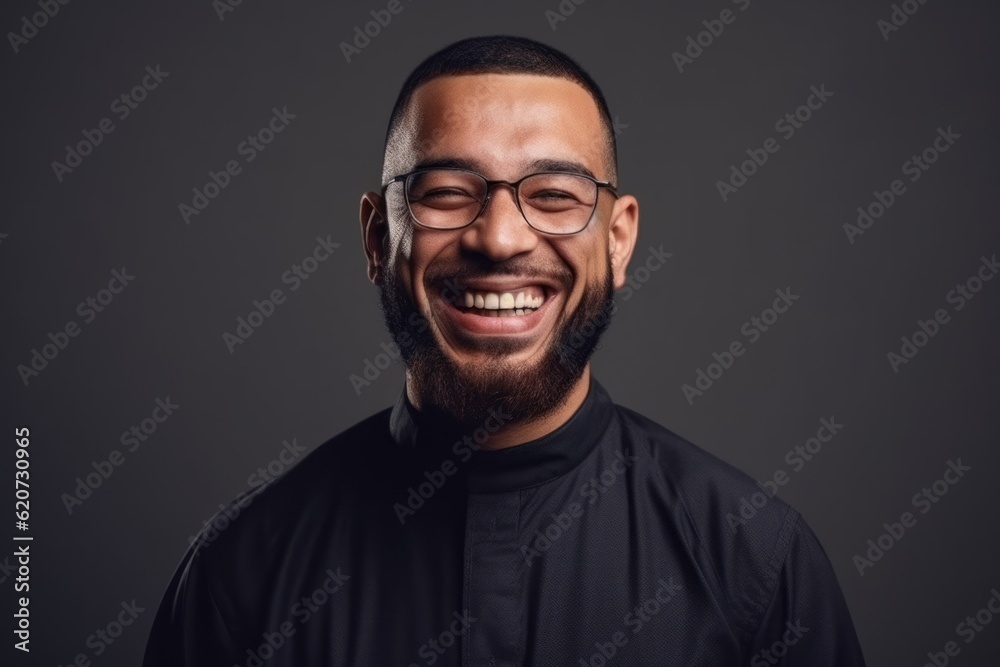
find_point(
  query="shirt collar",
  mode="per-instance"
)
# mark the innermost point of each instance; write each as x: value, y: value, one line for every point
x: 437, y: 439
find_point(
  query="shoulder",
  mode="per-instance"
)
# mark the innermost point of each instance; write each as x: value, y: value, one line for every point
x: 273, y: 511
x: 736, y: 530
x: 230, y: 566
x: 711, y: 488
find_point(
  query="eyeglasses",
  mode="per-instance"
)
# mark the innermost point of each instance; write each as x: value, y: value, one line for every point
x: 551, y: 202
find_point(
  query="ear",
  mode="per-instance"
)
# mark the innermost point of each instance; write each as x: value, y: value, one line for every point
x: 374, y: 234
x: 623, y: 230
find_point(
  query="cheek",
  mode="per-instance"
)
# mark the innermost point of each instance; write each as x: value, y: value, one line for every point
x: 585, y: 255
x: 589, y: 259
x: 416, y: 252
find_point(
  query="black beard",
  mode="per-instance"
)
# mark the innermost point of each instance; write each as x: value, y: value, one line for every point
x: 470, y: 395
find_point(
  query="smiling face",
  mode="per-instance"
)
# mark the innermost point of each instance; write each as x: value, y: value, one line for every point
x: 497, y: 311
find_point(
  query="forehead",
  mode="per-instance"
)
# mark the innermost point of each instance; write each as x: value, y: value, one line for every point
x: 503, y: 124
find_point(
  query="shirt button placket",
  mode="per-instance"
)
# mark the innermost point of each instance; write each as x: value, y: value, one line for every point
x: 492, y: 595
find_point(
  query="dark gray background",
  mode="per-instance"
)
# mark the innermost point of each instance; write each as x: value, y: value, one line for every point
x: 826, y: 357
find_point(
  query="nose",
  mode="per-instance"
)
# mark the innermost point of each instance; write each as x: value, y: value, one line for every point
x: 500, y: 232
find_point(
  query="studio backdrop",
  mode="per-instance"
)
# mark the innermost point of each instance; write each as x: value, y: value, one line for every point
x: 813, y: 298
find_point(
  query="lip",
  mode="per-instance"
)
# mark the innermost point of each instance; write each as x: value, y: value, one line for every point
x: 468, y: 326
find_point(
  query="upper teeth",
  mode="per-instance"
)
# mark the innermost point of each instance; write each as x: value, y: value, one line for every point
x: 500, y: 300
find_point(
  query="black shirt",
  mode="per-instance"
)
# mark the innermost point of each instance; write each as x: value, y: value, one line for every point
x: 401, y: 542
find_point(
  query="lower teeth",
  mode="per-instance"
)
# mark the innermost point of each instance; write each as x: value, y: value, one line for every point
x: 503, y: 312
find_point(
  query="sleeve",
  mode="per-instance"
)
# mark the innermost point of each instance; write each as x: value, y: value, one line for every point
x: 190, y: 629
x: 806, y: 623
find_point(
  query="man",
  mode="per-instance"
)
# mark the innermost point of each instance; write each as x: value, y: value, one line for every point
x: 505, y: 512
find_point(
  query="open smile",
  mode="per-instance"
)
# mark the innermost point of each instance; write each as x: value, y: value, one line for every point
x: 498, y: 308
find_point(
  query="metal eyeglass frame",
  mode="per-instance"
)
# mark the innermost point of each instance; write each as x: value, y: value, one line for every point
x: 516, y: 186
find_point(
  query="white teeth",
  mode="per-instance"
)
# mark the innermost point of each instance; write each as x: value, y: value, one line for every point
x: 502, y: 304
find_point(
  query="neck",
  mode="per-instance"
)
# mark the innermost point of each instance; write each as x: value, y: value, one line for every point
x: 511, y: 435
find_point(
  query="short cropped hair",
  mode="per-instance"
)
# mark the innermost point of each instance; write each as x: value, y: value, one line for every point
x: 502, y: 54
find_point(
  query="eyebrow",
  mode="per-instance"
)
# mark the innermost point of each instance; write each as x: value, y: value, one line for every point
x: 570, y: 166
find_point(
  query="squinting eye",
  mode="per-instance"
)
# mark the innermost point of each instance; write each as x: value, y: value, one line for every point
x: 443, y: 194
x: 552, y: 194
x: 446, y: 192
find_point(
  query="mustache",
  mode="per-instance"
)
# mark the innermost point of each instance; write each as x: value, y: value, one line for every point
x: 461, y: 272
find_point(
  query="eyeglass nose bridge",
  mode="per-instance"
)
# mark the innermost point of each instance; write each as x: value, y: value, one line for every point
x: 516, y: 187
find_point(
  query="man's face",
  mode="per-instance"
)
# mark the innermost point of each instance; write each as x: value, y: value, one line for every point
x: 464, y: 360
